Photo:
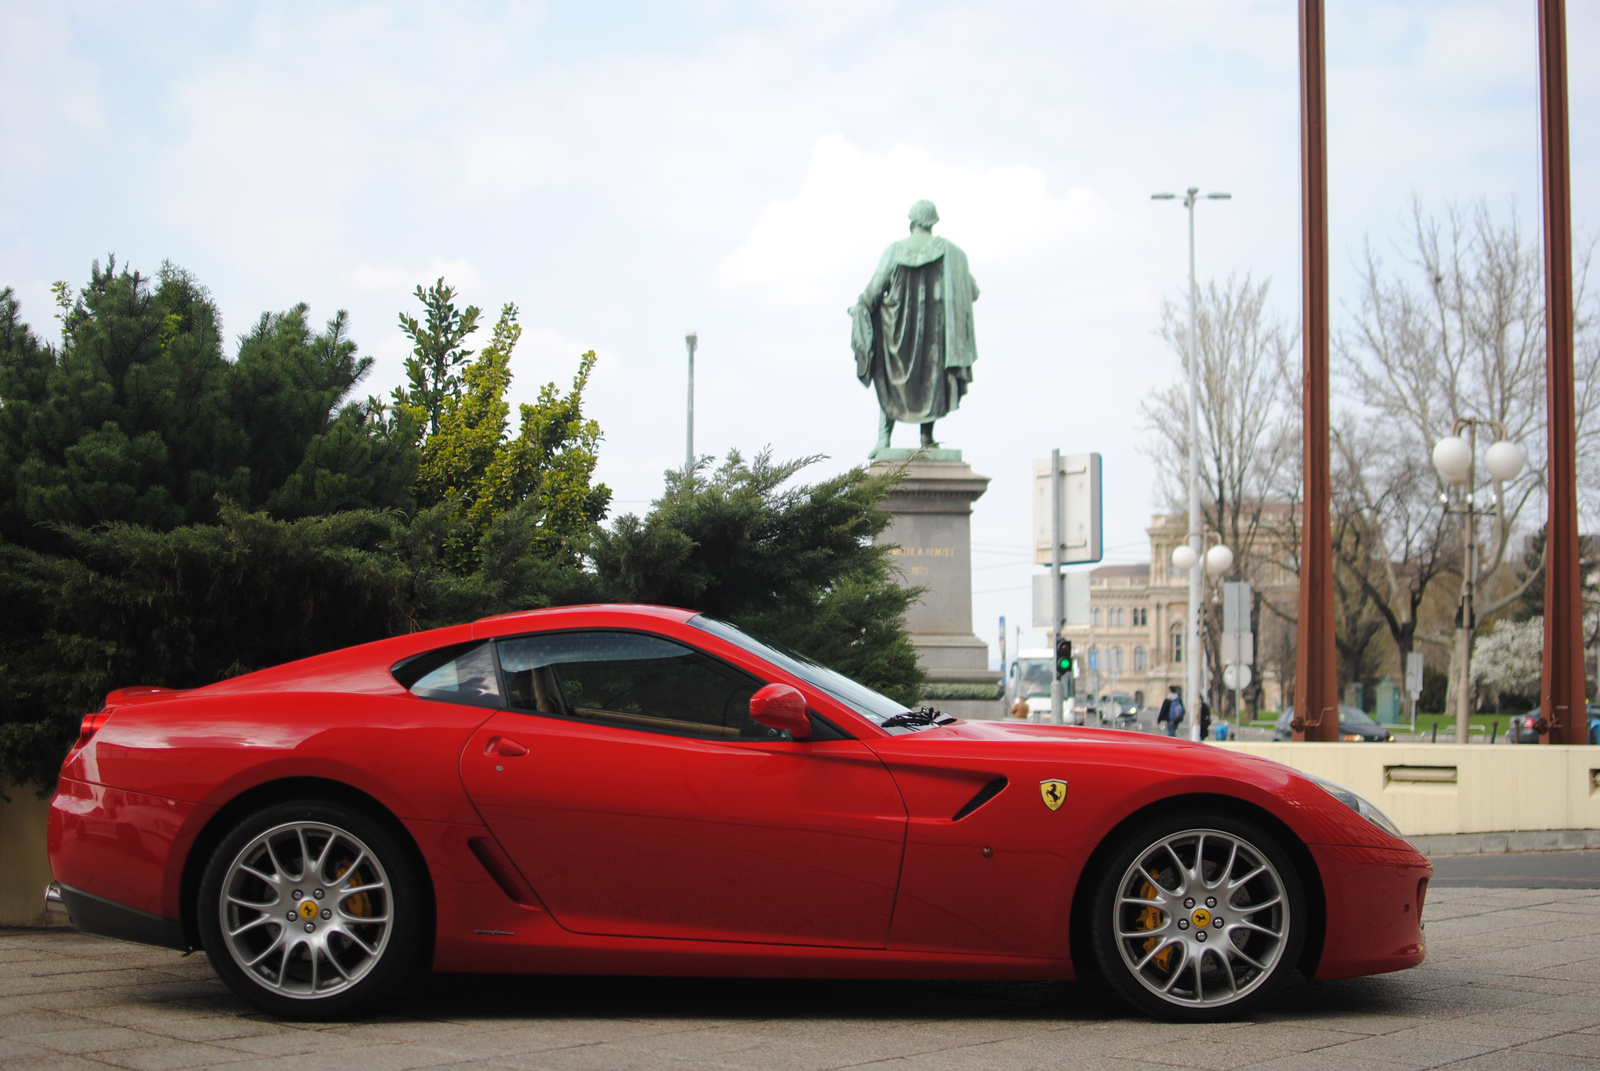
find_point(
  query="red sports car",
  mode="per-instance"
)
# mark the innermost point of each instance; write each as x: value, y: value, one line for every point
x: 641, y: 790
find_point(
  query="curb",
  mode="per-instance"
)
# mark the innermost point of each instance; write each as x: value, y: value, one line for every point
x: 1544, y: 840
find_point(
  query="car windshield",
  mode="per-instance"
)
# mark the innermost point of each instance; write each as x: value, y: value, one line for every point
x: 874, y: 706
x: 1033, y: 677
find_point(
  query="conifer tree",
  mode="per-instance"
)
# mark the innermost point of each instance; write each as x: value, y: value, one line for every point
x: 170, y: 516
x: 794, y: 563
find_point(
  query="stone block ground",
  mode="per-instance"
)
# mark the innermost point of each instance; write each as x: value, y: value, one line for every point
x: 1512, y: 981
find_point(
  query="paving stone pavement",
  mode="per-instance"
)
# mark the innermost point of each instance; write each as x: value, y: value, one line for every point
x: 1512, y: 981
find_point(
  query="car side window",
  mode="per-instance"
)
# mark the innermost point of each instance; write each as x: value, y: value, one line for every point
x: 632, y: 680
x: 464, y: 673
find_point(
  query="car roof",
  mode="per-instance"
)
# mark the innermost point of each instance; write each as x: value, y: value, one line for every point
x: 665, y: 613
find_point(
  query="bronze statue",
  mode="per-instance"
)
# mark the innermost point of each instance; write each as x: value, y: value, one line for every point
x: 912, y: 329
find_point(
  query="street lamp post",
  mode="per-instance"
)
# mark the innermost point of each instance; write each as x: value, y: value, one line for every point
x: 1455, y: 459
x: 1215, y: 562
x: 691, y: 340
x: 1191, y: 668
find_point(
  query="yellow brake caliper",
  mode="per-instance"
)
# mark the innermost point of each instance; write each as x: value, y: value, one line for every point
x: 359, y: 905
x: 1149, y: 918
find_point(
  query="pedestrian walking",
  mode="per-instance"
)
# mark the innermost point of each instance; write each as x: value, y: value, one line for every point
x: 1171, y: 712
x: 1019, y: 709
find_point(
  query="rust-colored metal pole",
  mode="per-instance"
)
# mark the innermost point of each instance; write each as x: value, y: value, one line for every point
x: 1562, y: 719
x: 1316, y: 685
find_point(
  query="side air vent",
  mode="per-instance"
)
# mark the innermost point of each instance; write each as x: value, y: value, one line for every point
x: 985, y: 794
x: 503, y: 871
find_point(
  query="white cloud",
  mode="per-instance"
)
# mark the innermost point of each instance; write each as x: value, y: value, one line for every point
x: 836, y: 222
x: 384, y: 277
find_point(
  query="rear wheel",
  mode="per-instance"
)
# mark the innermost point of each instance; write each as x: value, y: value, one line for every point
x: 1200, y: 918
x: 311, y: 910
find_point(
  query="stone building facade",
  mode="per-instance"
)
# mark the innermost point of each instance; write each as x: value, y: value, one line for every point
x: 1136, y: 637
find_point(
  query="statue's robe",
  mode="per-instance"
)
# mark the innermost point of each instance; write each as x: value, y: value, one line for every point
x: 912, y: 330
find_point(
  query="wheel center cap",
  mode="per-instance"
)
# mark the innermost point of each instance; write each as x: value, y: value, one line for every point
x: 308, y: 909
x: 1201, y: 918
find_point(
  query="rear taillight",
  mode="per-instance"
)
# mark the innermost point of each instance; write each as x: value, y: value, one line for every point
x: 91, y: 725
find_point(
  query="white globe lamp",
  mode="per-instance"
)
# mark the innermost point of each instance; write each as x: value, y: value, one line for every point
x: 1219, y: 559
x: 1184, y: 557
x: 1452, y: 459
x: 1505, y: 460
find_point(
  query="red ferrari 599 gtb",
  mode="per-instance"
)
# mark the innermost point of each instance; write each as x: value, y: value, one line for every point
x: 642, y: 790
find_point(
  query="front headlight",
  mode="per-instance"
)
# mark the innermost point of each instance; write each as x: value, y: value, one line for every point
x: 1360, y: 806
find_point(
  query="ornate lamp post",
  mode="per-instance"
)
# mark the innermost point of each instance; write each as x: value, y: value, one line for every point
x: 1455, y: 460
x: 1218, y: 560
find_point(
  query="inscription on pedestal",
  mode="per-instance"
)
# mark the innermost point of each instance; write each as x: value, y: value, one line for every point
x: 932, y: 533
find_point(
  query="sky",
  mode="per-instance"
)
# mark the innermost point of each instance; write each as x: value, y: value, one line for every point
x: 627, y: 172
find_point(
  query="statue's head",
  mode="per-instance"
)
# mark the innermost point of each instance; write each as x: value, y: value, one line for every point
x: 923, y: 215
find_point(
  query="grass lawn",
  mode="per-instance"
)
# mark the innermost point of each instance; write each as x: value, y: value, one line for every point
x: 1482, y: 725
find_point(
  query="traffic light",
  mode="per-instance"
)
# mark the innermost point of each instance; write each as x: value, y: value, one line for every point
x: 1063, y: 658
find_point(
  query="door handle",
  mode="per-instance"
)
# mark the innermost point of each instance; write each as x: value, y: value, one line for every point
x: 499, y: 745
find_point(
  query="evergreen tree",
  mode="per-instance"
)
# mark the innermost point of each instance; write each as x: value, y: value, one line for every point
x: 170, y: 516
x: 794, y: 563
x: 138, y: 417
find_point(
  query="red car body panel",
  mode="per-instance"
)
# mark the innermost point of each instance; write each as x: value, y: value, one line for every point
x: 565, y: 846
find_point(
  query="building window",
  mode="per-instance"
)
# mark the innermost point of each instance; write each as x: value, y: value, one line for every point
x: 1116, y: 659
x: 1117, y: 617
x: 1177, y: 645
x: 1141, y: 615
x: 1096, y: 611
x: 1139, y: 661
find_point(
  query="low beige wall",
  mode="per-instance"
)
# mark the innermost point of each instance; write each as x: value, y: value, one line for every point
x: 24, y: 866
x: 1458, y: 788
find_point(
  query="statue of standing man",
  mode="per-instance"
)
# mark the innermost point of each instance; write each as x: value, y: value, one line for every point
x: 912, y: 329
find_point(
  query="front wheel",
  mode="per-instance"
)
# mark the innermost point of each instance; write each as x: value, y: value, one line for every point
x: 311, y: 910
x: 1200, y: 918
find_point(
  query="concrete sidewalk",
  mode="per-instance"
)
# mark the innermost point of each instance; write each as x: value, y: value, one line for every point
x: 1512, y: 981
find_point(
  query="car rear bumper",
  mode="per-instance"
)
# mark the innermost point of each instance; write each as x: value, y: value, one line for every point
x: 123, y: 848
x: 107, y: 918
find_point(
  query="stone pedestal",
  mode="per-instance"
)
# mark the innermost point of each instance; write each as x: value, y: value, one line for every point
x: 932, y: 531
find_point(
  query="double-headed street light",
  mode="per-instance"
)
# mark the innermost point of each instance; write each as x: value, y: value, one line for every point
x: 1191, y: 668
x: 1454, y: 459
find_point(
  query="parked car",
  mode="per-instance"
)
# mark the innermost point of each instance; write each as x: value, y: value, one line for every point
x: 1355, y: 725
x: 1523, y: 729
x: 1116, y: 708
x: 648, y: 791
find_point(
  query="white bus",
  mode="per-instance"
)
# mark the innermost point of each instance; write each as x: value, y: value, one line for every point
x: 1029, y: 676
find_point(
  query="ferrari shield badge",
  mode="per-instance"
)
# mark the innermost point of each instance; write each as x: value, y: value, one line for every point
x: 1054, y: 793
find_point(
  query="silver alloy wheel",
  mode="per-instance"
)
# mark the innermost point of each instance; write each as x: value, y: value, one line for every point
x: 305, y: 909
x: 1201, y: 918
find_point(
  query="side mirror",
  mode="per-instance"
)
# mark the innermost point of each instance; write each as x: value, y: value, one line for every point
x: 781, y: 706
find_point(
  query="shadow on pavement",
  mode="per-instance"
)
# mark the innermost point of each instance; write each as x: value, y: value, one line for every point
x: 609, y: 998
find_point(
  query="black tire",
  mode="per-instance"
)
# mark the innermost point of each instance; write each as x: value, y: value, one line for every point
x: 360, y: 917
x: 1222, y: 936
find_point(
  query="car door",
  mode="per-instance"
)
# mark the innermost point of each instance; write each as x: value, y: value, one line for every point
x: 631, y: 787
